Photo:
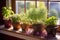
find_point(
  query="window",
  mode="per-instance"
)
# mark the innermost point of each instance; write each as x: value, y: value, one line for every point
x: 41, y: 3
x: 30, y: 4
x: 54, y: 10
x: 22, y: 6
x: 53, y: 6
x: 54, y: 0
x: 19, y: 6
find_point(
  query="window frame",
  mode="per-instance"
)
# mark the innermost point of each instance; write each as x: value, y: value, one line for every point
x: 25, y: 4
x: 13, y: 3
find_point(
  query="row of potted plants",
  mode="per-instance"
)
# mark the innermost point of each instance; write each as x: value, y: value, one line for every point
x: 34, y: 22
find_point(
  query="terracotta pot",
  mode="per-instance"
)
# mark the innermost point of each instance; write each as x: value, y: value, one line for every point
x: 8, y: 23
x: 28, y: 26
x: 25, y: 27
x: 16, y: 26
x: 58, y: 28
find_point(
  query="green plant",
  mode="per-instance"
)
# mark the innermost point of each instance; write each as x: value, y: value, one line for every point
x: 16, y: 18
x: 25, y: 19
x: 37, y: 15
x: 7, y: 12
x: 51, y: 21
x: 42, y: 11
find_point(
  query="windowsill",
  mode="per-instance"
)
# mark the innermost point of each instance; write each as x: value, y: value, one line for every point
x: 19, y: 35
x: 23, y: 36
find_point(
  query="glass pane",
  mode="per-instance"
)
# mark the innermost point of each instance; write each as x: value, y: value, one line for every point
x: 54, y: 10
x: 54, y: 0
x: 19, y: 6
x: 39, y: 4
x: 30, y: 4
x: 42, y: 0
x: 19, y: 0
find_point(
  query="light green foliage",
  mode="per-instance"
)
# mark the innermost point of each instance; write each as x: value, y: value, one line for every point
x: 7, y: 12
x: 51, y: 20
x: 41, y: 14
x: 32, y: 4
x: 32, y: 13
x: 25, y: 19
x: 16, y: 18
x: 37, y: 15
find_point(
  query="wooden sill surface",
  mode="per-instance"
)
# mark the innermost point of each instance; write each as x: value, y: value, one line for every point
x: 20, y: 35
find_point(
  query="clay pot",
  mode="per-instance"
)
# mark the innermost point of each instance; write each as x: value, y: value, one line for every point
x: 58, y: 28
x: 25, y: 27
x: 8, y: 23
x: 16, y: 26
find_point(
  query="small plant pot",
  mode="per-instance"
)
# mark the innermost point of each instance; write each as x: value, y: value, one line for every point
x: 25, y: 27
x: 58, y: 28
x: 16, y: 26
x: 8, y: 24
x: 51, y: 31
x: 38, y: 29
x: 29, y: 29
